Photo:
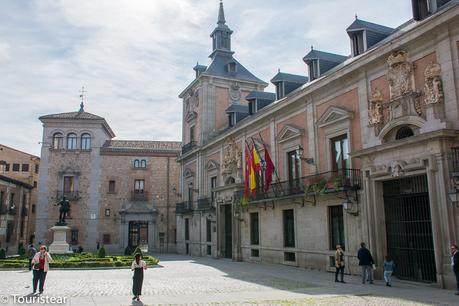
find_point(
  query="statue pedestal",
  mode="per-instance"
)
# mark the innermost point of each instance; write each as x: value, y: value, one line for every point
x: 59, y: 245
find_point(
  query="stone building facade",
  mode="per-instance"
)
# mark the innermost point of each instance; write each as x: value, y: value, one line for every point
x: 365, y: 149
x: 23, y: 167
x: 120, y: 191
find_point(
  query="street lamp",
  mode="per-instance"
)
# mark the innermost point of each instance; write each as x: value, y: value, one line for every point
x: 307, y: 160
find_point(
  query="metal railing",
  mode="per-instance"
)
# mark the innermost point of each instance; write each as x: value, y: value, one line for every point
x: 326, y: 182
x: 139, y: 196
x: 69, y: 195
x: 188, y: 147
x: 184, y: 207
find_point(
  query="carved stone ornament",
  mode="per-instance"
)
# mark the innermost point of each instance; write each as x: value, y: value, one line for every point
x: 397, y: 169
x: 400, y: 74
x: 232, y: 161
x: 375, y: 114
x: 433, y: 88
x: 191, y: 105
x: 235, y: 92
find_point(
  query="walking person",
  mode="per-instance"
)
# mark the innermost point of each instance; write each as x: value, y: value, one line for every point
x: 31, y: 253
x: 455, y: 265
x: 388, y: 270
x: 339, y: 263
x: 40, y: 264
x: 138, y: 265
x: 366, y: 262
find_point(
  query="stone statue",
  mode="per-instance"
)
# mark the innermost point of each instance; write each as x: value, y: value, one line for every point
x: 232, y: 161
x: 63, y: 210
x: 400, y: 74
x: 375, y: 114
x: 433, y: 88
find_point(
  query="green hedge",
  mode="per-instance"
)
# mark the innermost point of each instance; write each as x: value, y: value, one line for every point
x: 76, y: 261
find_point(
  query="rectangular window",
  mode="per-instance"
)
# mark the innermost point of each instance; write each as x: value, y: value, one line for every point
x: 69, y: 184
x: 36, y: 168
x: 208, y: 230
x: 111, y: 186
x: 340, y: 153
x: 9, y: 231
x: 7, y: 167
x: 107, y: 212
x: 16, y: 167
x: 33, y: 208
x: 2, y: 195
x: 187, y: 229
x: 293, y: 164
x: 209, y: 250
x: 25, y: 167
x: 106, y: 239
x: 35, y: 184
x: 11, y: 203
x: 313, y: 69
x: 289, y: 256
x: 139, y: 186
x: 192, y: 134
x: 74, y: 236
x: 336, y: 226
x: 254, y: 229
x: 213, y: 184
x: 255, y: 253
x: 289, y: 228
x: 357, y: 43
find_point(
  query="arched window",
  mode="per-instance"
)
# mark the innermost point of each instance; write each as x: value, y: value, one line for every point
x: 136, y: 163
x: 143, y: 163
x: 85, y: 141
x: 404, y: 132
x: 58, y: 141
x: 71, y: 141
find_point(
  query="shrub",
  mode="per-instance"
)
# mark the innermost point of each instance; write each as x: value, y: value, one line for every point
x: 128, y: 250
x: 101, y: 253
x: 119, y: 264
x: 2, y: 254
x: 21, y: 249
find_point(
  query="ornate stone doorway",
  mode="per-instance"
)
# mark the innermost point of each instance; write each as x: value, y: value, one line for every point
x: 409, y: 228
x: 138, y: 235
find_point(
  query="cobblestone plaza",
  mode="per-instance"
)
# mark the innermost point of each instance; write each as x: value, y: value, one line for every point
x: 184, y: 280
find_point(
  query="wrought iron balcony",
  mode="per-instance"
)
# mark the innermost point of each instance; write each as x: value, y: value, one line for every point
x: 205, y: 204
x: 326, y: 182
x: 12, y: 210
x: 184, y: 207
x: 69, y: 195
x: 188, y: 147
x: 139, y: 196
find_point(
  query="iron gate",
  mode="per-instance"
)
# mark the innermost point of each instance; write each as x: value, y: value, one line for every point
x: 409, y: 228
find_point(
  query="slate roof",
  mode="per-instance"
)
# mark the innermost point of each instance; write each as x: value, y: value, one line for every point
x: 359, y: 24
x: 237, y: 108
x: 73, y: 115
x: 326, y: 56
x: 261, y: 95
x: 141, y: 146
x: 218, y: 67
x: 287, y: 77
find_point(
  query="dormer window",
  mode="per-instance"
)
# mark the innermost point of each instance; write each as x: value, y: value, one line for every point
x: 423, y: 8
x: 314, y: 72
x: 232, y: 119
x: 232, y: 67
x: 252, y: 107
x: 357, y: 44
x: 280, y: 90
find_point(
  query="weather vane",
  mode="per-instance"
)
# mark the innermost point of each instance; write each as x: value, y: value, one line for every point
x: 82, y: 92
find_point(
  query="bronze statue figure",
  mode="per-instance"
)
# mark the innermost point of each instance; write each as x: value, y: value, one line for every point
x: 63, y: 210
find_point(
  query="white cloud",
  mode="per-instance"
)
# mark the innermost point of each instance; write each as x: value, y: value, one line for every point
x: 135, y: 57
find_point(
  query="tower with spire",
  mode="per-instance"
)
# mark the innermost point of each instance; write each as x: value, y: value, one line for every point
x: 221, y: 36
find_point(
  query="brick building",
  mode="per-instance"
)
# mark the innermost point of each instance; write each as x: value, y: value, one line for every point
x: 22, y: 167
x: 364, y: 149
x: 120, y: 191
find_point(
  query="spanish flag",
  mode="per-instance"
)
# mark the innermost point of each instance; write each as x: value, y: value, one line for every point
x: 250, y: 181
x: 256, y: 159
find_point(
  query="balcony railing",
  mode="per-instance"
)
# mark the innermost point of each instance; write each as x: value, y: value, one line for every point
x: 205, y: 204
x: 188, y: 147
x: 69, y: 195
x: 5, y: 211
x: 184, y: 207
x: 139, y: 196
x: 12, y: 210
x: 326, y: 182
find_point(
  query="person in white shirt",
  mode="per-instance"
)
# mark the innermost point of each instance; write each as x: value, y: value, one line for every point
x: 138, y: 265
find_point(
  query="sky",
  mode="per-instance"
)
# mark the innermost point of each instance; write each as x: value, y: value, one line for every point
x: 135, y: 57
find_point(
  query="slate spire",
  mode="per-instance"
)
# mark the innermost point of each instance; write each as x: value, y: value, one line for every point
x: 221, y: 14
x: 221, y: 35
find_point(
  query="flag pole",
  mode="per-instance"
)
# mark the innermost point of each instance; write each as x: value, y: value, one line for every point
x: 275, y: 168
